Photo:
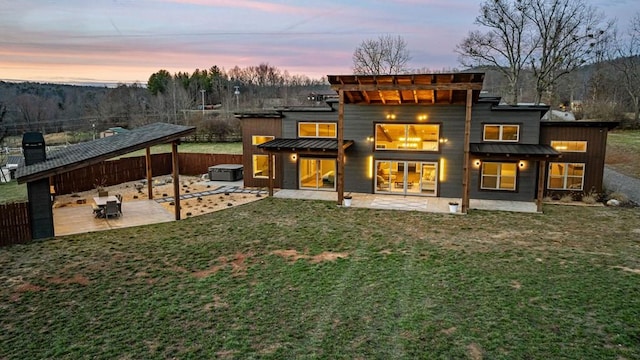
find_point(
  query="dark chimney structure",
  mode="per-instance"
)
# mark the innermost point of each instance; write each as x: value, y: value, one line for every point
x: 40, y: 199
x: 33, y: 148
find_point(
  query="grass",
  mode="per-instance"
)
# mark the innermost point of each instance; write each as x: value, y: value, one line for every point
x: 623, y: 152
x: 12, y: 192
x: 317, y: 281
x: 206, y: 148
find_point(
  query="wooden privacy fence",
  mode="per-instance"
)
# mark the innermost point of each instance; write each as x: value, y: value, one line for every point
x: 14, y: 224
x: 123, y: 170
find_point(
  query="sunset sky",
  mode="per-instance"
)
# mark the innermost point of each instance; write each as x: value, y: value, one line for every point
x: 111, y: 41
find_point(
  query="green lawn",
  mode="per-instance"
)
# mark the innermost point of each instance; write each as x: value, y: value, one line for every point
x: 289, y: 279
x: 12, y: 192
x: 623, y: 151
x: 206, y: 148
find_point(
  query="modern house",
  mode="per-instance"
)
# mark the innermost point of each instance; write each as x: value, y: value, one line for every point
x: 421, y: 135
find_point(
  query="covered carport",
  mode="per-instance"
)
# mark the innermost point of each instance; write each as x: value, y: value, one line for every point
x: 39, y: 166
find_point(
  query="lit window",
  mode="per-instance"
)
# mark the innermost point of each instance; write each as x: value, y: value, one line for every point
x: 498, y: 176
x: 317, y: 130
x: 510, y: 133
x: 411, y: 137
x: 569, y: 146
x: 565, y: 176
x: 261, y: 167
x: 259, y: 139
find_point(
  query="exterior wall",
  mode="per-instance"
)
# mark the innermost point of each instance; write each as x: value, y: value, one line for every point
x: 593, y: 158
x: 259, y: 126
x: 527, y: 178
x: 359, y: 124
x: 290, y: 131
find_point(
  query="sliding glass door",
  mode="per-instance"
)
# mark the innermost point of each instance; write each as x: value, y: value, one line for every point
x: 406, y: 177
x: 317, y: 174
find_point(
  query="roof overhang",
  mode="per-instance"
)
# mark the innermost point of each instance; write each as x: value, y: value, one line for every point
x: 581, y: 123
x: 93, y: 152
x: 514, y: 151
x: 304, y: 145
x: 420, y: 89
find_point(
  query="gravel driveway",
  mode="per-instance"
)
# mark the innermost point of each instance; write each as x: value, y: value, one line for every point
x: 614, y: 181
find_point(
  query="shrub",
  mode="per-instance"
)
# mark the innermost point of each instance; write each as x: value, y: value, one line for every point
x: 566, y: 198
x: 623, y: 198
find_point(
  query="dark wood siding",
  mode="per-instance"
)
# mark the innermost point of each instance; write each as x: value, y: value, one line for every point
x: 14, y: 224
x: 261, y: 127
x: 593, y: 158
x: 40, y: 211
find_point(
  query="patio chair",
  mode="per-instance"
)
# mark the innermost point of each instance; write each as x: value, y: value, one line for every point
x: 97, y: 211
x: 111, y: 209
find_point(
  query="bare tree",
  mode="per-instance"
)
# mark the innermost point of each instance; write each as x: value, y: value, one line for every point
x: 567, y: 33
x: 626, y: 60
x: 385, y: 55
x: 507, y: 45
x: 549, y: 38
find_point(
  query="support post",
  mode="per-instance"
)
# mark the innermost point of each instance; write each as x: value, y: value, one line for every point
x: 466, y: 171
x: 541, y: 172
x: 149, y: 174
x: 176, y: 178
x: 270, y: 172
x: 340, y: 172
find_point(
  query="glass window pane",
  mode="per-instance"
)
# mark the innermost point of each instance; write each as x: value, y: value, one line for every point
x: 326, y: 130
x: 257, y: 139
x: 510, y: 133
x: 307, y: 130
x: 556, y: 183
x: 489, y: 182
x: 490, y: 169
x: 492, y: 132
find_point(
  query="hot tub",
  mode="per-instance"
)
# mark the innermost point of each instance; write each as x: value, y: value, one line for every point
x: 225, y: 172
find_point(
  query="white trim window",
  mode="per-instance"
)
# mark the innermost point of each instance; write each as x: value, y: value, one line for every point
x: 501, y: 132
x: 260, y: 164
x: 565, y: 176
x: 317, y: 130
x: 498, y: 176
x: 407, y: 137
x: 569, y: 146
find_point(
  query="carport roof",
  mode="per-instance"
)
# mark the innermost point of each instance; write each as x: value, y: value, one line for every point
x: 93, y: 152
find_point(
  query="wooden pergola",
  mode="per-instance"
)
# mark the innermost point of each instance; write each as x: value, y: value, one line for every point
x: 408, y: 89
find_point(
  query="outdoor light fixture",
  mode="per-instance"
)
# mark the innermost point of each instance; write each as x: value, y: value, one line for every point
x: 422, y: 117
x: 294, y: 157
x: 370, y: 138
x: 522, y: 164
x: 391, y: 116
x: 477, y: 163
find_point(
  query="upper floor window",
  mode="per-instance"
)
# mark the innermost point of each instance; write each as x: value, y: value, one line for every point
x: 501, y: 132
x: 569, y: 146
x: 317, y: 129
x: 498, y: 176
x: 260, y: 139
x: 412, y: 137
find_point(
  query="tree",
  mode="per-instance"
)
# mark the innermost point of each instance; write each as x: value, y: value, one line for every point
x: 3, y: 127
x: 506, y: 46
x: 385, y: 55
x: 159, y: 82
x: 567, y: 33
x: 626, y: 60
x: 548, y: 38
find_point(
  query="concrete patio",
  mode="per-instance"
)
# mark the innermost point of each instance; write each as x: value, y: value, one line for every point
x: 80, y: 219
x: 408, y: 203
